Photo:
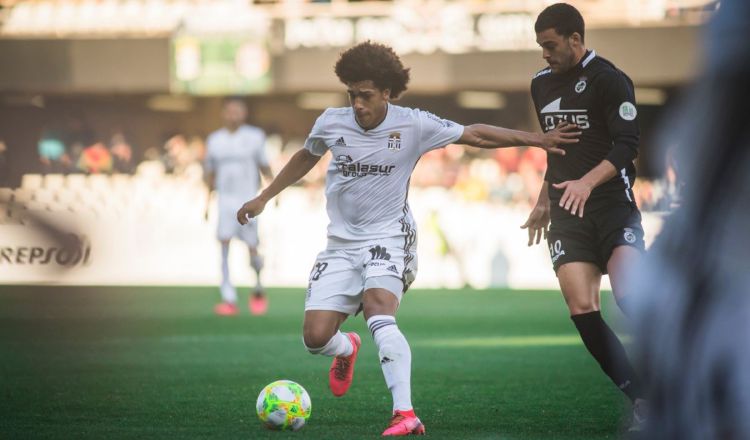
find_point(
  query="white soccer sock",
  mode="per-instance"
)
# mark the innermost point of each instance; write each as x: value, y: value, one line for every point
x: 228, y: 293
x: 395, y: 358
x: 256, y: 262
x: 338, y: 345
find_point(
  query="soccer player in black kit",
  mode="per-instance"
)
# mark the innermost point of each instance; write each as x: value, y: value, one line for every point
x: 587, y: 198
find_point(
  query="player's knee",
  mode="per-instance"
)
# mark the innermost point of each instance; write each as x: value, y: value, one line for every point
x: 581, y: 307
x: 315, y: 341
x: 256, y: 262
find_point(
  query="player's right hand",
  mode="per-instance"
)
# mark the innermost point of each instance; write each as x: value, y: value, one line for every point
x: 538, y: 223
x: 250, y: 209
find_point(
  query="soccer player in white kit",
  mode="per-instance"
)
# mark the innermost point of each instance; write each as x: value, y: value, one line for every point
x: 235, y: 159
x: 370, y: 258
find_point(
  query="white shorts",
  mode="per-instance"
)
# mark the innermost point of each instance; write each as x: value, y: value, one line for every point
x: 229, y: 227
x: 339, y: 277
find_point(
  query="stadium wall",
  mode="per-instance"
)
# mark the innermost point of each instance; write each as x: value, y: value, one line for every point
x: 166, y: 241
x: 146, y: 65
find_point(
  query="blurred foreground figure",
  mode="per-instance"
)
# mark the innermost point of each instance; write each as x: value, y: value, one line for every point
x: 693, y: 289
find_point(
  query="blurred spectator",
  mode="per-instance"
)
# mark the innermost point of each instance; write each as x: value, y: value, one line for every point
x: 179, y: 154
x: 4, y: 165
x: 52, y: 152
x: 122, y: 154
x: 152, y: 164
x: 95, y: 159
x: 508, y: 158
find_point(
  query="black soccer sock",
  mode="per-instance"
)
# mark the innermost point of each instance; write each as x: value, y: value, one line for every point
x: 607, y: 349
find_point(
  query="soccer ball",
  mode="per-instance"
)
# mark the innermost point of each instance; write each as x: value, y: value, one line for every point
x: 284, y: 405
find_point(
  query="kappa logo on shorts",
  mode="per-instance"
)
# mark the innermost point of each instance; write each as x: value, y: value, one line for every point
x: 380, y: 253
x: 629, y: 235
x: 556, y: 251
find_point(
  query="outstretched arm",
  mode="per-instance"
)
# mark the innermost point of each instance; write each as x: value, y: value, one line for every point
x: 299, y: 165
x: 489, y: 136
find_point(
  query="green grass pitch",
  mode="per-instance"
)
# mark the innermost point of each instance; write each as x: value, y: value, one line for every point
x: 154, y: 362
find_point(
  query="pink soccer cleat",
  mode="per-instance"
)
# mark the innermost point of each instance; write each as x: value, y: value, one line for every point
x: 226, y: 309
x: 404, y: 423
x: 342, y: 369
x: 258, y: 304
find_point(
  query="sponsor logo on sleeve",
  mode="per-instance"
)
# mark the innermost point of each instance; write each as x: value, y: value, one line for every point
x: 628, y: 111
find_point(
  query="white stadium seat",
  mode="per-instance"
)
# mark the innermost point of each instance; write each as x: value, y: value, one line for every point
x: 6, y: 195
x: 75, y: 181
x: 54, y: 181
x: 31, y: 181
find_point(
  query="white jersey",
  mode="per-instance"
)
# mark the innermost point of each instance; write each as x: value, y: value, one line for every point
x: 368, y: 178
x: 236, y: 158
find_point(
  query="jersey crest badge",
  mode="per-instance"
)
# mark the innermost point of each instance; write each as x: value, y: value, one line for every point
x: 394, y: 141
x: 629, y: 235
x: 580, y: 85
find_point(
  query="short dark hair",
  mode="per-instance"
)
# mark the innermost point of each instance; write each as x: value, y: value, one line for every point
x: 562, y: 17
x: 233, y: 98
x: 375, y: 62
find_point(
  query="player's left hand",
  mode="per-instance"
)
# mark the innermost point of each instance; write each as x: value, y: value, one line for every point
x: 575, y: 195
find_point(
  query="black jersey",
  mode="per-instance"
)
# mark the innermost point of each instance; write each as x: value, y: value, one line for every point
x: 600, y: 99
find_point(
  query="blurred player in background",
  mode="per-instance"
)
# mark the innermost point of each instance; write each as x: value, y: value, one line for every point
x: 235, y: 159
x: 370, y: 259
x: 596, y: 174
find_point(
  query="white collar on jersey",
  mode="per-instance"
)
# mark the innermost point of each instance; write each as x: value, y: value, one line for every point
x: 588, y: 59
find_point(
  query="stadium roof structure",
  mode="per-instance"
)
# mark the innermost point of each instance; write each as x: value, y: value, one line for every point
x: 138, y: 18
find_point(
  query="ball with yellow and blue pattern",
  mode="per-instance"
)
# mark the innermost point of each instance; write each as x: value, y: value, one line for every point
x: 284, y: 405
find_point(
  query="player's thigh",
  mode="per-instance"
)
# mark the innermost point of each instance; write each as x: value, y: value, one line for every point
x: 390, y: 268
x: 580, y: 283
x: 392, y: 258
x: 335, y: 282
x: 248, y: 233
x: 381, y: 300
x: 620, y: 226
x: 319, y: 326
x: 572, y: 239
x: 228, y: 226
x: 620, y: 265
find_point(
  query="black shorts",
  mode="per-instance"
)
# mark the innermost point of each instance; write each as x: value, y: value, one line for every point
x: 594, y: 237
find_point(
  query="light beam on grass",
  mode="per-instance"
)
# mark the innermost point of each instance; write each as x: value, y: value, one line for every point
x: 504, y: 341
